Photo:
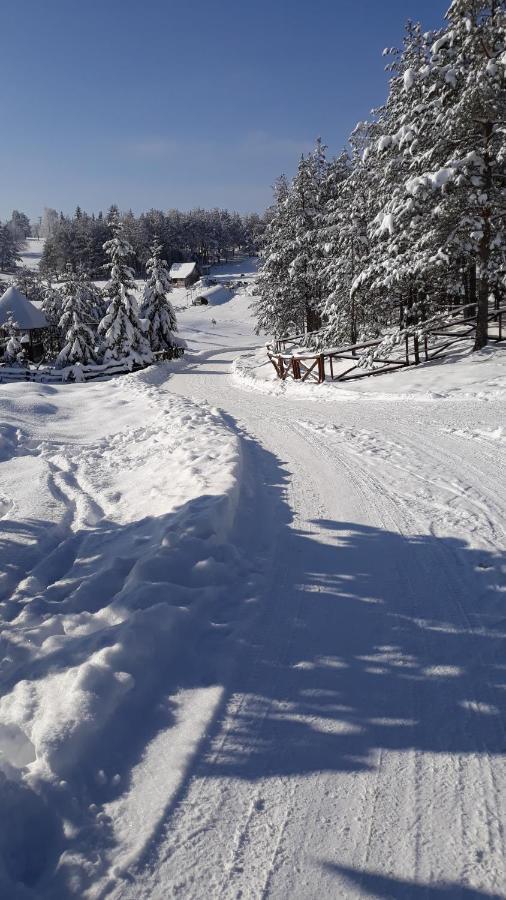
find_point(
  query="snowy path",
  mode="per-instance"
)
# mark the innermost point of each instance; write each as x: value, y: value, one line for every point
x: 360, y: 747
x: 256, y: 653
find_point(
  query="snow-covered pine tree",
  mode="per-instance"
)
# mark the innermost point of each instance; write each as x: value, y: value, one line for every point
x: 417, y: 224
x: 9, y: 255
x: 75, y: 323
x: 30, y: 284
x: 156, y: 308
x: 120, y: 328
x: 14, y: 353
x: 397, y: 271
x: 345, y: 244
x: 52, y: 307
x: 273, y: 309
x: 452, y: 207
x: 290, y: 277
x: 469, y: 62
x: 305, y: 203
x: 51, y: 303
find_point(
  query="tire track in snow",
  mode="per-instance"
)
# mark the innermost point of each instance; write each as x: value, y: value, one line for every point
x: 471, y: 819
x: 216, y: 801
x: 370, y: 492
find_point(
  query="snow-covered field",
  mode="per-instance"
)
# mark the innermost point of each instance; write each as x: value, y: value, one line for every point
x: 31, y: 253
x: 29, y: 258
x: 257, y: 652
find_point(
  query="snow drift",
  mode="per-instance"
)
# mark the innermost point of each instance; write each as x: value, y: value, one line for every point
x: 115, y: 532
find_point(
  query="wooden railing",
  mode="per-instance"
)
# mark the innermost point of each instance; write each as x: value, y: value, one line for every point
x: 44, y: 374
x: 415, y: 347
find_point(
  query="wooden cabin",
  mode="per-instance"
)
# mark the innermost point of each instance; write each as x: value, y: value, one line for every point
x: 184, y: 274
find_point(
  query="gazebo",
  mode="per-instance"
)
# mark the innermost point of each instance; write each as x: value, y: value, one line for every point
x: 27, y: 320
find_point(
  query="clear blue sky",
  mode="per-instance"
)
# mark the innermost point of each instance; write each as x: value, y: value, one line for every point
x: 157, y: 103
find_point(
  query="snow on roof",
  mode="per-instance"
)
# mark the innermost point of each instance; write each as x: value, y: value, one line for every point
x: 23, y: 312
x: 182, y: 270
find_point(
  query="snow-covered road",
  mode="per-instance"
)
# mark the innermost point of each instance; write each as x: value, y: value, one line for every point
x: 359, y: 748
x: 255, y: 653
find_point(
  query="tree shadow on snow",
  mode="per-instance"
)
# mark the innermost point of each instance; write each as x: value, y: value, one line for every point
x: 377, y: 885
x: 363, y: 639
x: 367, y: 640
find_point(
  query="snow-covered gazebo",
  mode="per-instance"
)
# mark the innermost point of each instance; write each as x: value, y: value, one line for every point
x: 28, y: 321
x: 184, y: 274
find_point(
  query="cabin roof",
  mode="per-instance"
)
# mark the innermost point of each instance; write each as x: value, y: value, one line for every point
x: 182, y: 270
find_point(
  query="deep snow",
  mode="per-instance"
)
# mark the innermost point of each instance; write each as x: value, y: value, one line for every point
x: 319, y: 709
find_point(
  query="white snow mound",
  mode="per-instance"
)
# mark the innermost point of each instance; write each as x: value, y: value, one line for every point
x: 118, y: 500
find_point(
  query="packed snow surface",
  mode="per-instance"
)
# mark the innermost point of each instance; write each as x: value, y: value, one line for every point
x: 258, y: 652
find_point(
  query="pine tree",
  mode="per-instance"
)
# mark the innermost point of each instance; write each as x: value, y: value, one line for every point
x: 345, y: 246
x: 468, y: 70
x: 9, y: 255
x: 19, y: 225
x: 290, y: 281
x: 414, y: 222
x: 397, y: 271
x: 30, y: 284
x: 51, y: 303
x: 14, y: 352
x: 121, y: 330
x: 77, y: 335
x: 448, y: 215
x: 156, y: 308
x: 274, y: 310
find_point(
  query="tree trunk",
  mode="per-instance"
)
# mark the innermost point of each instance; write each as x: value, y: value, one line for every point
x: 484, y: 285
x: 482, y: 315
x: 313, y: 319
x: 353, y: 323
x: 471, y: 310
x: 415, y: 320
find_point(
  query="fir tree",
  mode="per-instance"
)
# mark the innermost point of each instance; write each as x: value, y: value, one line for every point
x: 30, y: 284
x: 414, y: 223
x: 120, y: 328
x: 77, y: 335
x: 274, y: 311
x: 14, y: 352
x: 345, y: 246
x: 9, y: 255
x: 290, y: 281
x: 156, y: 308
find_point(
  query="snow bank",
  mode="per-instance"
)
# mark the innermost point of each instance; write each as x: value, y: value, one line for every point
x: 118, y: 502
x: 461, y: 375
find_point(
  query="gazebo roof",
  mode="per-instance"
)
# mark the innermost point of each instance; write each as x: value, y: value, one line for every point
x: 24, y: 314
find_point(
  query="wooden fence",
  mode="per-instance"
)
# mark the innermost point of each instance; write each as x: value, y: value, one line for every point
x: 45, y: 374
x: 290, y: 361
